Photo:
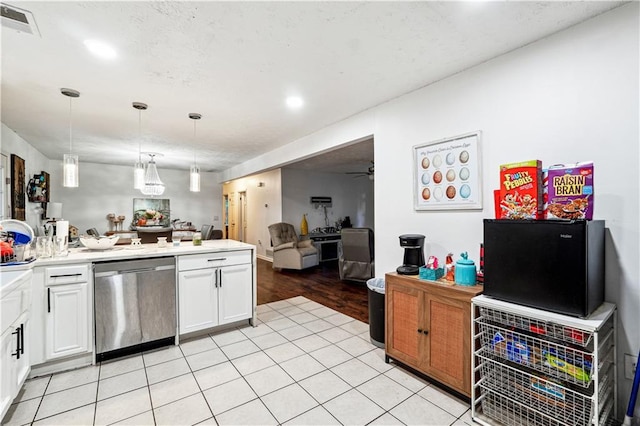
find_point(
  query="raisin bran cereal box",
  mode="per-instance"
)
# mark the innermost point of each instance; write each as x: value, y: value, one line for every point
x: 521, y: 190
x: 570, y: 191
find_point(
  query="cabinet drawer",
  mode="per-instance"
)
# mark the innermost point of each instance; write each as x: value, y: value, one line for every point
x: 67, y: 274
x: 213, y: 260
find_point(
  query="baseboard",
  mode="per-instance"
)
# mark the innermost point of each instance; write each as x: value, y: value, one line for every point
x: 263, y: 257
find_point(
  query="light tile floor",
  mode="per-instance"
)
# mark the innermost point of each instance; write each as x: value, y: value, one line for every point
x: 304, y: 364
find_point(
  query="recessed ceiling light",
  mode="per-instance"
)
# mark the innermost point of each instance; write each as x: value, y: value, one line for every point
x: 100, y: 49
x: 294, y: 102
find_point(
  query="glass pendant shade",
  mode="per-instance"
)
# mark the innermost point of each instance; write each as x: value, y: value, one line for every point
x: 152, y: 183
x: 70, y: 171
x: 194, y: 181
x: 138, y: 175
x: 70, y: 178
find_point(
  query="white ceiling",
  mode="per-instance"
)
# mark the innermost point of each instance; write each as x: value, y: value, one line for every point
x: 235, y: 62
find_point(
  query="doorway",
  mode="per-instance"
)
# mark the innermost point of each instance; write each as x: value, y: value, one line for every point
x: 242, y: 216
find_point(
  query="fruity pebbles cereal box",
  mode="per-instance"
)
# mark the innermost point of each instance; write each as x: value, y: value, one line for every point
x: 570, y: 191
x: 521, y: 190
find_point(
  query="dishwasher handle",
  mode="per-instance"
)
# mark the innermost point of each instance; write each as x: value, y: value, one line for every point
x: 134, y: 271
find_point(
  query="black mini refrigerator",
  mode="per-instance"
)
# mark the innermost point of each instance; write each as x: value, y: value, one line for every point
x: 556, y: 266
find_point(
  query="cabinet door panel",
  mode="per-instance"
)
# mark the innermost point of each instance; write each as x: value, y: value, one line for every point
x: 403, y: 305
x: 67, y: 323
x: 198, y: 300
x: 447, y: 348
x: 7, y: 368
x: 23, y: 365
x: 235, y: 293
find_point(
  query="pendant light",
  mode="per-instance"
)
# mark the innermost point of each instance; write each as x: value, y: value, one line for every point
x: 138, y: 168
x: 70, y: 178
x: 152, y: 183
x: 194, y: 179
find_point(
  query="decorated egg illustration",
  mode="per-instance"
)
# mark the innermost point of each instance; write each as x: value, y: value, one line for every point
x: 426, y: 193
x: 437, y: 177
x: 437, y: 193
x: 426, y: 178
x: 437, y: 161
x: 464, y: 173
x: 464, y: 156
x: 465, y: 191
x: 425, y: 163
x: 451, y: 192
x: 451, y: 175
x: 451, y: 158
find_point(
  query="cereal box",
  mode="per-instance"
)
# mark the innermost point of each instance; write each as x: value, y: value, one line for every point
x: 570, y: 191
x: 521, y: 190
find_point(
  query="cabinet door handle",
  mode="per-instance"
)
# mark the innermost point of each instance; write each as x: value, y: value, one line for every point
x: 48, y: 299
x: 215, y: 260
x: 425, y: 332
x: 419, y: 330
x: 22, y: 339
x: 65, y: 275
x: 220, y: 271
x: 17, y: 333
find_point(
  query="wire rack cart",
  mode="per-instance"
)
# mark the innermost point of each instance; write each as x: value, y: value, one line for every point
x: 537, y: 368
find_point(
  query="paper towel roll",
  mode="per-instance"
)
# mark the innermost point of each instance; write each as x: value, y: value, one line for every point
x: 62, y: 228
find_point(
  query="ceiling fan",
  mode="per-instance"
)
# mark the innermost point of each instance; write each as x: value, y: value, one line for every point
x: 369, y: 172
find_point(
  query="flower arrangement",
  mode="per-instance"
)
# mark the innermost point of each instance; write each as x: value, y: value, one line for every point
x: 151, y: 214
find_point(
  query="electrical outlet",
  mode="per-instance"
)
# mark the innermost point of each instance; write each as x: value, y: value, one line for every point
x: 630, y: 365
x: 215, y: 218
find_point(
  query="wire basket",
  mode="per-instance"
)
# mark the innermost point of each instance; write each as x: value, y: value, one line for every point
x: 545, y: 396
x: 559, y: 332
x: 554, y: 360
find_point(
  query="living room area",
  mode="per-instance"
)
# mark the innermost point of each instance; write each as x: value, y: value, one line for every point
x: 327, y: 191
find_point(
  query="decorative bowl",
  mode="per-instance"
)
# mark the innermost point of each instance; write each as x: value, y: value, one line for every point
x: 99, y: 243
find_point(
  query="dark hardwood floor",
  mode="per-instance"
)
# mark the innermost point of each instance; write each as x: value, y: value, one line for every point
x: 321, y: 284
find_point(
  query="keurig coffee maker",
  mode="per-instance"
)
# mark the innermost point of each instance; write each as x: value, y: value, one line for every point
x: 413, y: 254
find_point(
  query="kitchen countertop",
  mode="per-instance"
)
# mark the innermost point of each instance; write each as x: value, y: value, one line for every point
x: 82, y: 254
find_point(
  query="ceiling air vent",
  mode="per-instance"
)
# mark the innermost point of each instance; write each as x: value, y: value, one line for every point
x: 19, y: 19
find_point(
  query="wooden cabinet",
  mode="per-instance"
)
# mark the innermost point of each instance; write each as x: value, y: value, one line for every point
x: 428, y: 328
x: 214, y: 289
x: 68, y: 314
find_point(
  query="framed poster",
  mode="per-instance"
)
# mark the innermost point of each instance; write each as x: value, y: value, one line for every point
x: 447, y: 174
x: 151, y: 212
x: 17, y: 188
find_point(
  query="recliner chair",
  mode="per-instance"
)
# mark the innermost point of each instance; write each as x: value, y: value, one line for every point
x: 288, y: 251
x: 356, y: 260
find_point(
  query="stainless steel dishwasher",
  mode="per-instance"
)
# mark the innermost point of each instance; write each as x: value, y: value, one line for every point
x: 135, y: 306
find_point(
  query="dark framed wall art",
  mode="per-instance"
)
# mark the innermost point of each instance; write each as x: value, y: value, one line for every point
x: 18, y: 196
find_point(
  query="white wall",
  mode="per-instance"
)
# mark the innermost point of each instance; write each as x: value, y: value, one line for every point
x: 570, y: 97
x: 351, y: 197
x: 108, y: 189
x: 34, y: 162
x: 264, y: 206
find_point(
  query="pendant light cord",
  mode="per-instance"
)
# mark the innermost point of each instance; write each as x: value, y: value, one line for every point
x: 194, y: 141
x: 70, y: 126
x: 139, y: 136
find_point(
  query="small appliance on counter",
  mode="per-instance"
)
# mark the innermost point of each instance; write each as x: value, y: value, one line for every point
x: 554, y: 265
x: 413, y: 254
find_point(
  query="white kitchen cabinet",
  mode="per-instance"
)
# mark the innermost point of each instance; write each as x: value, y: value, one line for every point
x: 68, y: 311
x: 214, y: 289
x: 14, y: 334
x: 198, y: 297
